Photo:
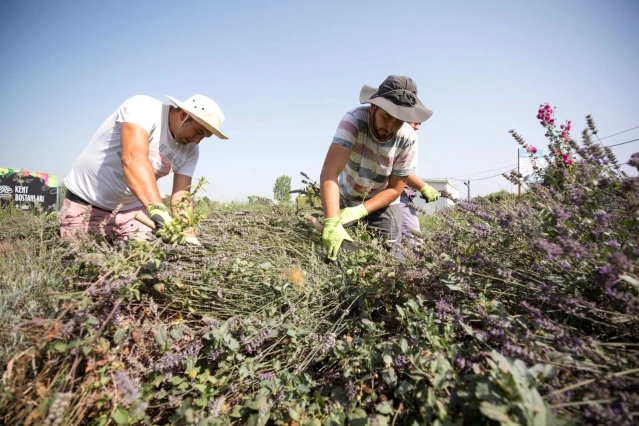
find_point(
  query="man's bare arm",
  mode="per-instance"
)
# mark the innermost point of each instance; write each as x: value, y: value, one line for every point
x: 335, y: 162
x: 415, y: 182
x: 384, y: 198
x: 180, y: 195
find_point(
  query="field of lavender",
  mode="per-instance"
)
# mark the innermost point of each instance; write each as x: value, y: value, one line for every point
x: 504, y: 312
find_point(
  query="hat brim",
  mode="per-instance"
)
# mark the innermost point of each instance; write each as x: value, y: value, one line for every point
x: 200, y: 120
x: 414, y: 114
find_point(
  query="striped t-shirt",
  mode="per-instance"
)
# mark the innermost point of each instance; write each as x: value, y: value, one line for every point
x: 371, y: 162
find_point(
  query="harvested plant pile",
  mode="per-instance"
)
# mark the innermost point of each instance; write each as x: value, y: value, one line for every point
x: 509, y: 312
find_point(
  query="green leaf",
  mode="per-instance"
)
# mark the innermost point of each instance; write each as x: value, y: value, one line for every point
x: 119, y: 335
x: 388, y: 360
x: 86, y: 350
x: 403, y: 344
x: 382, y: 420
x: 176, y: 333
x: 232, y: 344
x: 389, y: 377
x: 238, y: 411
x: 546, y: 371
x: 385, y: 408
x: 404, y: 388
x: 161, y: 338
x: 294, y: 414
x: 484, y: 392
x: 400, y: 310
x: 495, y: 412
x: 257, y: 403
x: 335, y: 419
x: 121, y: 416
x: 358, y: 417
x: 60, y: 346
x: 303, y: 388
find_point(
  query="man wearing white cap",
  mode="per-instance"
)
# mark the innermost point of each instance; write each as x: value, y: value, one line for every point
x: 115, y: 177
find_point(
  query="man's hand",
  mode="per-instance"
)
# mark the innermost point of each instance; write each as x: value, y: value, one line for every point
x: 333, y: 235
x: 164, y: 226
x: 429, y: 193
x: 352, y: 214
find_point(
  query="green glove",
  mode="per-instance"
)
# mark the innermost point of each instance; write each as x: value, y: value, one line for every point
x: 352, y: 214
x: 165, y: 227
x: 429, y: 193
x: 333, y: 235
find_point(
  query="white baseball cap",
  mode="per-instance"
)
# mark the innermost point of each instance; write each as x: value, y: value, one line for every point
x: 203, y: 110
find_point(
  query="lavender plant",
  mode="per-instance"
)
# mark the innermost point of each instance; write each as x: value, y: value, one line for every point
x: 506, y: 313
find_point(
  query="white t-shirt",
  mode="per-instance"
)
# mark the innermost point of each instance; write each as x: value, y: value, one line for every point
x: 97, y: 175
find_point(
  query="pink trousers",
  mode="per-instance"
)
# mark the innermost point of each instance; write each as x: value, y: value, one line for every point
x: 77, y: 219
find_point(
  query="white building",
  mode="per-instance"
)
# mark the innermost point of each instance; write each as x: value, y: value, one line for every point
x: 442, y: 203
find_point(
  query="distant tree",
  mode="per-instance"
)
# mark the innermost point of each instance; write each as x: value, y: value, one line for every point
x: 496, y: 197
x: 282, y: 189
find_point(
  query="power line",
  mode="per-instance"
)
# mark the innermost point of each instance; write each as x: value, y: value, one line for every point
x: 615, y: 134
x: 490, y: 177
x: 483, y: 171
x: 622, y: 143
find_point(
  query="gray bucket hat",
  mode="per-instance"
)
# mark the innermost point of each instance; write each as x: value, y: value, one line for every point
x: 397, y: 95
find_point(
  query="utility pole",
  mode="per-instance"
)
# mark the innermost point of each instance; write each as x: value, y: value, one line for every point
x: 467, y: 183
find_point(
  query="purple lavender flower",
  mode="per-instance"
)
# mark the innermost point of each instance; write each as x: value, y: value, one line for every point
x: 552, y: 250
x: 169, y: 362
x: 351, y: 391
x: 482, y: 230
x: 613, y: 243
x: 266, y: 376
x: 443, y: 309
x: 258, y: 341
x: 213, y: 356
x: 620, y: 261
x: 215, y: 407
x: 193, y: 350
x: 129, y: 391
x: 401, y: 360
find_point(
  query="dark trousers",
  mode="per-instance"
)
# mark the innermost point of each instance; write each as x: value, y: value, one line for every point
x: 386, y: 223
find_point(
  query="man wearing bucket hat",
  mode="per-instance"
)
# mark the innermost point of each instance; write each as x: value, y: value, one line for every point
x: 115, y: 177
x: 367, y: 165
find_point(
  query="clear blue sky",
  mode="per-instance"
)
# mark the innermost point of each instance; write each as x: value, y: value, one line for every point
x: 285, y: 72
